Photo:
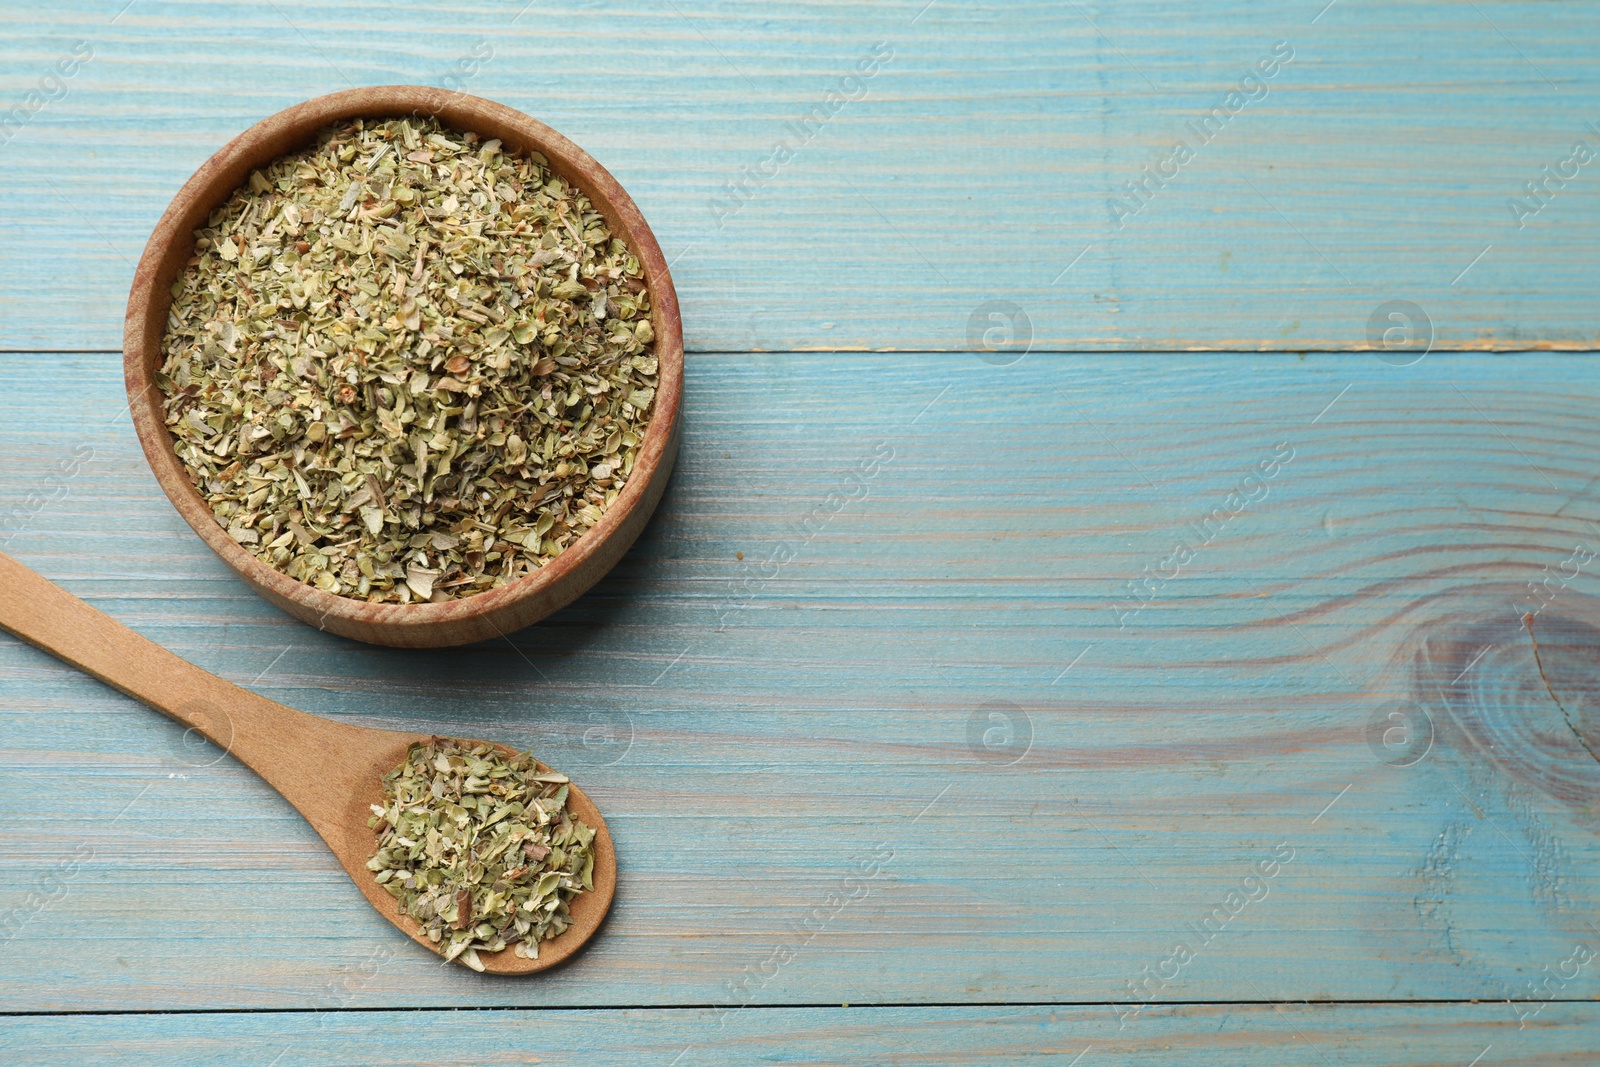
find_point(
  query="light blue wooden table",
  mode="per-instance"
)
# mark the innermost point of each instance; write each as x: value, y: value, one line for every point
x: 1197, y: 677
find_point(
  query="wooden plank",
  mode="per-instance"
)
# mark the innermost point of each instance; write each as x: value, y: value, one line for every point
x: 979, y: 163
x: 818, y: 772
x: 1236, y: 1035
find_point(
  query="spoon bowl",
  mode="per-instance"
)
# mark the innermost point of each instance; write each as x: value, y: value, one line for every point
x: 331, y: 772
x: 386, y: 752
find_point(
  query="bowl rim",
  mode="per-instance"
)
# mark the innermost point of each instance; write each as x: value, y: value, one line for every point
x: 149, y: 301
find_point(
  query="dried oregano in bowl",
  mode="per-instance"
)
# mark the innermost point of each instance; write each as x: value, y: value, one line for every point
x: 407, y: 365
x: 480, y: 848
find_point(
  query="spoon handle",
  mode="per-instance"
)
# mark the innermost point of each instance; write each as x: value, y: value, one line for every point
x: 262, y: 733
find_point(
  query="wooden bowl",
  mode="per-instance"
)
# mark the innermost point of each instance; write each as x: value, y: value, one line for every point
x: 482, y: 615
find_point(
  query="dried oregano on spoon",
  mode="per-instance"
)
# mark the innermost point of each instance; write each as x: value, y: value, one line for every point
x: 479, y: 848
x: 406, y: 365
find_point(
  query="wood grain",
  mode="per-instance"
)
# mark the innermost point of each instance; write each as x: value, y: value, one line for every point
x: 905, y: 750
x: 979, y: 163
x: 1235, y: 1035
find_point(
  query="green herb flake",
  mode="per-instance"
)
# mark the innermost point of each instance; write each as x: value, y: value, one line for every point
x: 479, y: 848
x: 403, y: 365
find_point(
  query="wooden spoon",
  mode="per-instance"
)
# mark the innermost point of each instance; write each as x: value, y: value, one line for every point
x: 330, y: 771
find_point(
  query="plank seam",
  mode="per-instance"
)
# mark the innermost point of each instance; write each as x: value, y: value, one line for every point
x: 806, y: 1006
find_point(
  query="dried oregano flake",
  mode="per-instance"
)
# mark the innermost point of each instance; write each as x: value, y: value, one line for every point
x: 479, y: 848
x: 405, y: 365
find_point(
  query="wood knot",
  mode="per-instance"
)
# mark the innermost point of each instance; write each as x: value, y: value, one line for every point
x: 1524, y: 691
